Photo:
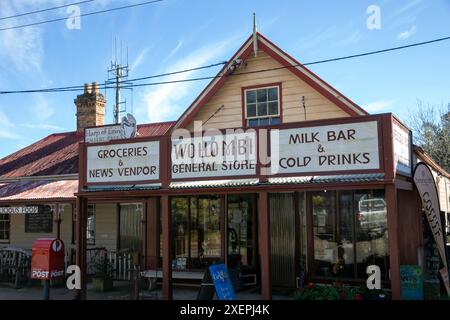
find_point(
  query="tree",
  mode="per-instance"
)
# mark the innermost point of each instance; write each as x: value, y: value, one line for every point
x: 431, y: 131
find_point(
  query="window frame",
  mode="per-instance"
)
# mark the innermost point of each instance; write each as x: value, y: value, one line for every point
x: 7, y: 241
x: 244, y: 90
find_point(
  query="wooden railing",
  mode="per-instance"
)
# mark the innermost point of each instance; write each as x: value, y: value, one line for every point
x: 118, y: 262
x: 15, y: 265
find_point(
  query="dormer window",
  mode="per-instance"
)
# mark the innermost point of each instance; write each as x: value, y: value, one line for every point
x: 262, y: 105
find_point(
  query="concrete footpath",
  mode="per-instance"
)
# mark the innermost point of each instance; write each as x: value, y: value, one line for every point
x: 122, y: 291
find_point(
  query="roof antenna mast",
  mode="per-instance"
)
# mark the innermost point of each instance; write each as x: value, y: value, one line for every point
x: 255, y: 35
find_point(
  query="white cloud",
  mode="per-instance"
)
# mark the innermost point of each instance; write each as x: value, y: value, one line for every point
x: 378, y: 105
x: 41, y: 126
x: 7, y: 128
x: 139, y: 59
x: 408, y: 33
x: 40, y: 108
x: 163, y: 102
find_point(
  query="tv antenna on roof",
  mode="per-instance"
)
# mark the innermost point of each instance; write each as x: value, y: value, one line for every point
x: 117, y: 73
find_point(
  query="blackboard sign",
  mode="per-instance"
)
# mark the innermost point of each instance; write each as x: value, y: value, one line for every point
x: 41, y: 222
x: 222, y: 282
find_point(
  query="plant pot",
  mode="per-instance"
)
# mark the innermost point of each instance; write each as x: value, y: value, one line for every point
x: 102, y: 284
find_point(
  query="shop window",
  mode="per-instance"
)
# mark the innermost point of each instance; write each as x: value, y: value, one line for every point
x: 4, y: 227
x: 196, y: 231
x: 350, y: 233
x: 41, y: 222
x: 240, y: 230
x: 262, y: 106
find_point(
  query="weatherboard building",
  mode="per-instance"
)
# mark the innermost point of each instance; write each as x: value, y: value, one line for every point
x: 275, y: 171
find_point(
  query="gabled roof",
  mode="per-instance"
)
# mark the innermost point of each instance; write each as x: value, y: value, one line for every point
x: 428, y: 160
x: 57, y: 154
x: 285, y: 60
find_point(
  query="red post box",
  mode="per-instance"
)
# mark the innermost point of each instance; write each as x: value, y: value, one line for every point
x: 47, y: 259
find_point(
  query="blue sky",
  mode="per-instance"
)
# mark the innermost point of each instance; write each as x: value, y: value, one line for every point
x: 177, y: 34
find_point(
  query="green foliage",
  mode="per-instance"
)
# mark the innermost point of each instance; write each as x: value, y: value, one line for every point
x: 338, y: 291
x: 103, y: 267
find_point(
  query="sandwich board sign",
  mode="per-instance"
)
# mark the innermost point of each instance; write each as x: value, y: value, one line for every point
x: 222, y: 282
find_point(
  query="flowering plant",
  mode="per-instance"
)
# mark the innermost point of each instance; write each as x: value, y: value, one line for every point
x: 336, y: 291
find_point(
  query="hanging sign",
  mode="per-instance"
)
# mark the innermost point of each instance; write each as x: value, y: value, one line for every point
x: 424, y: 181
x: 351, y: 146
x: 402, y: 149
x: 123, y: 163
x: 20, y: 210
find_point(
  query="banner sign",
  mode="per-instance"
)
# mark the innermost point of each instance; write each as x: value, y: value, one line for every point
x: 222, y: 282
x: 224, y: 155
x: 127, y: 162
x: 352, y: 146
x: 424, y: 181
x: 126, y: 130
x: 411, y: 281
x: 402, y: 149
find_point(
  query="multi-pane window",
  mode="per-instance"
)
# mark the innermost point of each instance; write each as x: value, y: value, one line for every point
x: 4, y: 227
x: 262, y: 106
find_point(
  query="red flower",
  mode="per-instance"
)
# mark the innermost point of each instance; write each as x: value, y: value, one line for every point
x: 310, y: 285
x: 357, y: 297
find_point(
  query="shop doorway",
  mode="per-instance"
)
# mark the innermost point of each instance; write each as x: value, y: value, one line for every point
x: 130, y: 227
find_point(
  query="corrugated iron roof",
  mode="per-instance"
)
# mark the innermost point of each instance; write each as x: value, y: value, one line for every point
x: 214, y: 183
x: 36, y: 190
x: 57, y: 154
x: 328, y: 179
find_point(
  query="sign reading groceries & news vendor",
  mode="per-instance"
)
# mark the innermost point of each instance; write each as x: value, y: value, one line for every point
x: 125, y: 162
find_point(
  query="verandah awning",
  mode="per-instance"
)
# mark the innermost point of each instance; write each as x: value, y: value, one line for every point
x: 38, y: 190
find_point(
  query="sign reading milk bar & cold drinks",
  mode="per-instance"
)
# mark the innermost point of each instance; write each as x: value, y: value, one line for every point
x: 351, y: 146
x: 227, y: 155
x: 120, y: 163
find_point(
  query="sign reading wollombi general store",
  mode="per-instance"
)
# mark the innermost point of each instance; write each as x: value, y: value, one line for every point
x: 225, y: 155
x: 352, y: 146
x: 123, y: 163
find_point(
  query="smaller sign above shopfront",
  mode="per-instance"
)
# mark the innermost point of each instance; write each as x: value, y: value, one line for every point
x: 402, y: 149
x: 20, y: 210
x: 126, y: 163
x: 125, y: 130
x: 331, y: 148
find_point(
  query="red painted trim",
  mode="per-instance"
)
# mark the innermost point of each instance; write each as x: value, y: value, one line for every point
x: 280, y: 100
x: 317, y: 77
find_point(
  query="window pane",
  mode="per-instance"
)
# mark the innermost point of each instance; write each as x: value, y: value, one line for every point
x: 251, y: 96
x: 273, y: 94
x: 371, y: 232
x: 240, y: 244
x: 275, y: 120
x: 179, y: 212
x: 264, y: 122
x: 273, y: 108
x: 325, y: 244
x: 251, y: 110
x: 344, y: 266
x: 262, y: 95
x: 262, y: 109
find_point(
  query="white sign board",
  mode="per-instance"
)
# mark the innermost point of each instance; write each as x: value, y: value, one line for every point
x: 402, y: 149
x: 19, y: 210
x: 127, y: 162
x: 352, y: 146
x: 126, y: 130
x: 225, y: 155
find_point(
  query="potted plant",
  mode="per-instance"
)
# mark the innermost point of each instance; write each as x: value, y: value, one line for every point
x: 103, y: 278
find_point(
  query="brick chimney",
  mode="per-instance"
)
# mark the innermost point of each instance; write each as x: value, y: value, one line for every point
x: 90, y: 107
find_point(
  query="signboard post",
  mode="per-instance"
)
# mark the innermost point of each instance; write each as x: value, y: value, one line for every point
x: 222, y: 282
x: 423, y: 178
